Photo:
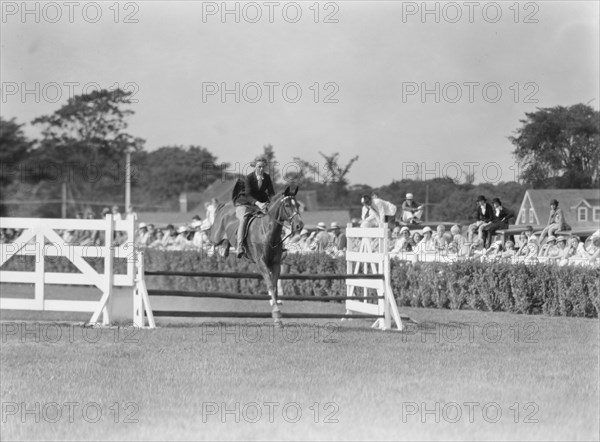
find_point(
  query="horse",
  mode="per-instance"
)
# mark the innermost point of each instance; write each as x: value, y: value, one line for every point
x: 264, y: 241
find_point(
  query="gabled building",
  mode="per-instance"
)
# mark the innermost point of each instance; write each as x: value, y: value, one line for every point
x: 580, y: 206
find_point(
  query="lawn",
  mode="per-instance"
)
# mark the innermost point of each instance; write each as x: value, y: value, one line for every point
x: 451, y: 375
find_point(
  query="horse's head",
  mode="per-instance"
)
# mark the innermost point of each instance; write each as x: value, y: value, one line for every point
x: 289, y: 210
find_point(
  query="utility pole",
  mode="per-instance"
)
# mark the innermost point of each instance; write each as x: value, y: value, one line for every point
x: 127, y: 181
x: 426, y: 202
x: 64, y: 200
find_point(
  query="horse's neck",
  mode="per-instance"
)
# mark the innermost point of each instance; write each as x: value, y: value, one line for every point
x: 275, y: 227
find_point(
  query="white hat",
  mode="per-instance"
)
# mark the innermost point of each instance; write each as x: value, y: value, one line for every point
x: 551, y: 238
x: 334, y: 225
x: 427, y: 229
x: 404, y: 229
x: 142, y: 225
x: 322, y: 226
x: 409, y: 196
x: 182, y: 229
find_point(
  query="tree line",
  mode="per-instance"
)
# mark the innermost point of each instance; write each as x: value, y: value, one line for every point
x: 83, y: 145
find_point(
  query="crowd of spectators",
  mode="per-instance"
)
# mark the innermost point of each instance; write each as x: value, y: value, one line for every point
x: 407, y: 240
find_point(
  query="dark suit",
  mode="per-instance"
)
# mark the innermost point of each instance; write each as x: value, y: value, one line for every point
x: 245, y: 199
x: 499, y: 222
x: 254, y: 193
x: 489, y: 213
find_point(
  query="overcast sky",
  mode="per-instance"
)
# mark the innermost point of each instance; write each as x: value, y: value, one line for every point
x: 365, y: 63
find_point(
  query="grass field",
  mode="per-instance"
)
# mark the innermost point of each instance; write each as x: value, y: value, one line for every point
x: 456, y: 375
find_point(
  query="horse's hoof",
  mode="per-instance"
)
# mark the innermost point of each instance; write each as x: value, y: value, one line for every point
x: 278, y: 302
x: 277, y: 323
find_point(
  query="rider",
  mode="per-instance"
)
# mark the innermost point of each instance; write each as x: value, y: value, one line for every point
x: 258, y: 190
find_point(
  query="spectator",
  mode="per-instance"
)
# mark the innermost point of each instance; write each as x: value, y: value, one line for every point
x: 385, y: 209
x: 549, y: 248
x: 427, y: 244
x: 130, y: 213
x: 369, y: 216
x: 169, y: 236
x: 115, y: 213
x: 458, y: 243
x: 417, y: 237
x: 338, y: 237
x: 181, y: 241
x: 105, y: 212
x: 484, y: 218
x: 158, y: 239
x: 211, y: 210
x: 405, y: 243
x: 500, y: 218
x: 394, y: 237
x: 411, y: 210
x: 141, y: 234
x: 556, y: 221
x: 510, y: 253
x: 439, y: 239
x: 321, y: 240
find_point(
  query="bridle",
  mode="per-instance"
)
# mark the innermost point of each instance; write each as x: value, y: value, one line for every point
x: 289, y: 218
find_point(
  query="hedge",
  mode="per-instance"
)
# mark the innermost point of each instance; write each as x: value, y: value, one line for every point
x: 517, y: 288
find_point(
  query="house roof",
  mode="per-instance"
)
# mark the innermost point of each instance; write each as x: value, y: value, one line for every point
x: 568, y: 200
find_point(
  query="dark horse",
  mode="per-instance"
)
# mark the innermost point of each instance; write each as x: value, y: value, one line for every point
x: 264, y: 242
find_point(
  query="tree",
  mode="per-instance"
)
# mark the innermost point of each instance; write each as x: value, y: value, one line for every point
x: 87, y: 139
x: 332, y: 174
x: 559, y: 147
x: 15, y: 149
x: 161, y: 175
x: 272, y: 164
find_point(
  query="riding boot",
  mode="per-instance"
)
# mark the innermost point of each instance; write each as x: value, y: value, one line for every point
x: 241, y: 250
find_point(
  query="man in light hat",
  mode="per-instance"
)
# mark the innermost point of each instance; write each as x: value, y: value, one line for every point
x: 322, y: 239
x: 338, y: 238
x: 411, y: 210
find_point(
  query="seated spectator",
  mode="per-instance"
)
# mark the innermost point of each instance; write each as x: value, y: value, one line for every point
x: 476, y: 249
x: 337, y: 237
x: 527, y: 237
x: 500, y: 218
x: 169, y: 235
x: 556, y: 221
x: 439, y: 239
x: 484, y: 218
x: 321, y: 239
x: 549, y: 247
x: 416, y: 237
x: 592, y: 251
x: 510, y: 253
x: 493, y: 253
x: 458, y: 244
x: 149, y: 236
x: 405, y: 242
x: 411, y: 210
x: 427, y: 244
x: 158, y: 240
x: 395, y: 236
x: 130, y: 213
x: 182, y: 241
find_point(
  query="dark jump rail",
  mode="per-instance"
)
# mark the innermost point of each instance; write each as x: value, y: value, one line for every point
x: 235, y: 275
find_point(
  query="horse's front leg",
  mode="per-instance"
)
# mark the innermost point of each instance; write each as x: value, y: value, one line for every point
x: 275, y: 272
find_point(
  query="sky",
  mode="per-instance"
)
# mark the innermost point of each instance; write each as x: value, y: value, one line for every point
x: 416, y: 90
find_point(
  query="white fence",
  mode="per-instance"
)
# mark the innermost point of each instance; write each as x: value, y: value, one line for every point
x: 41, y: 238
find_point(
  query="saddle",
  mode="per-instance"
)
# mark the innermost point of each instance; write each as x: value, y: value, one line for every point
x: 252, y: 214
